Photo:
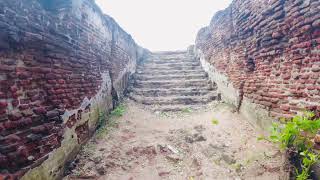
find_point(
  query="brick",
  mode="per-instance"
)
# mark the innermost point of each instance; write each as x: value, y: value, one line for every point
x: 3, y: 104
x: 52, y: 114
x: 14, y: 116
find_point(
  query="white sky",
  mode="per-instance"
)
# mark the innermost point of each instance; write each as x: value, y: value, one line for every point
x: 160, y: 25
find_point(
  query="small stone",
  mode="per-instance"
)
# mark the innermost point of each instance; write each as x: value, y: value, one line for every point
x: 189, y: 139
x: 317, y: 139
x: 101, y: 170
x: 174, y: 158
x: 199, y: 128
x: 31, y: 158
x: 228, y: 159
x: 172, y: 149
x: 164, y: 173
x: 97, y: 160
x: 198, y: 138
x: 195, y: 138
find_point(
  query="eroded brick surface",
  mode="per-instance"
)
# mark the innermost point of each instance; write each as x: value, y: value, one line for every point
x: 52, y: 54
x: 269, y: 50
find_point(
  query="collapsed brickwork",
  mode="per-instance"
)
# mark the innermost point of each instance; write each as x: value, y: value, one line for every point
x: 265, y: 56
x: 62, y: 63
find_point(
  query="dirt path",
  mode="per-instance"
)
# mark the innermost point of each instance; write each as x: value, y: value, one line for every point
x: 210, y: 144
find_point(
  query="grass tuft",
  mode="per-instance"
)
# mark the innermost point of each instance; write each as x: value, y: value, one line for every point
x: 104, y: 125
x: 186, y: 110
x: 214, y: 121
x: 118, y: 111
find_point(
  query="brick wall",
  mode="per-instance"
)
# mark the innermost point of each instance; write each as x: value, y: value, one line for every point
x: 269, y: 51
x: 59, y: 61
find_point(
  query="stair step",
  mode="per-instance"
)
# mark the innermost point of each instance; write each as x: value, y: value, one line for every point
x: 170, y: 77
x: 170, y: 68
x: 176, y: 108
x: 172, y: 81
x: 169, y: 100
x: 172, y: 92
x: 162, y: 61
x: 169, y: 72
x: 167, y: 64
x: 175, y: 83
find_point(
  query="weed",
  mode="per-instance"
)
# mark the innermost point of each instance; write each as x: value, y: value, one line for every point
x: 101, y: 119
x: 217, y: 162
x: 105, y: 126
x: 214, y: 121
x: 164, y: 114
x: 236, y: 166
x: 297, y: 134
x: 118, y: 111
x: 187, y: 110
x: 102, y: 131
x: 77, y: 173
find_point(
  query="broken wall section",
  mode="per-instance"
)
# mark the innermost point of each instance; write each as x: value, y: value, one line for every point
x: 265, y: 56
x: 60, y: 60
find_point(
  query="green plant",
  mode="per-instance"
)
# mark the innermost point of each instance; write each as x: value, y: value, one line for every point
x: 104, y: 125
x: 214, y: 121
x: 118, y: 111
x: 308, y: 159
x: 101, y: 119
x: 297, y: 133
x: 164, y: 114
x: 187, y: 110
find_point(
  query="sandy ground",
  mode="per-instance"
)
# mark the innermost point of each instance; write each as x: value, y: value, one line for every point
x: 144, y: 145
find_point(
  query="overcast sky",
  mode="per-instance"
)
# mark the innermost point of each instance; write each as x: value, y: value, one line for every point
x: 162, y: 24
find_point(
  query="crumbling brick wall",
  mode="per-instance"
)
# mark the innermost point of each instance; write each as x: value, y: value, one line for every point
x: 56, y: 61
x: 270, y: 52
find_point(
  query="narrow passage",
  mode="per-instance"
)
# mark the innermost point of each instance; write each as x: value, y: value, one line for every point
x: 211, y: 143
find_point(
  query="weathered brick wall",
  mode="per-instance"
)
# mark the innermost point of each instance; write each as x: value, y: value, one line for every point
x: 269, y: 51
x: 59, y: 61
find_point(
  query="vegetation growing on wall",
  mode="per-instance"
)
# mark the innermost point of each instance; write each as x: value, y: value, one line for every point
x: 296, y: 135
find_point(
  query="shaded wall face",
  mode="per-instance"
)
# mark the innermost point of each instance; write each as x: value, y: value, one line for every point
x: 270, y: 52
x: 55, y: 61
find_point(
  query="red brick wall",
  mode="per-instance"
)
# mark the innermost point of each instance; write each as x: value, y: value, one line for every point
x: 50, y: 60
x: 269, y: 50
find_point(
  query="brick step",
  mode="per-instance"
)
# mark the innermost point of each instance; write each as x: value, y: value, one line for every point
x: 172, y: 84
x: 198, y: 76
x: 168, y: 72
x: 171, y: 81
x: 170, y: 60
x: 161, y: 61
x: 177, y: 108
x: 170, y: 64
x: 172, y: 91
x: 169, y: 68
x: 174, y: 100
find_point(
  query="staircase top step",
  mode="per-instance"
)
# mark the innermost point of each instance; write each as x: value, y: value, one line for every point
x: 173, y: 81
x: 164, y: 64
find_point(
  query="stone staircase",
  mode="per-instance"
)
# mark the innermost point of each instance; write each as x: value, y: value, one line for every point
x: 172, y: 81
